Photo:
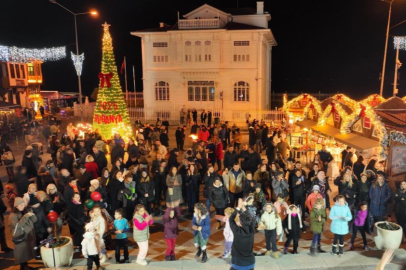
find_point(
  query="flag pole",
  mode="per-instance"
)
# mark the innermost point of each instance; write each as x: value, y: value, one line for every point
x: 125, y: 76
x: 135, y: 90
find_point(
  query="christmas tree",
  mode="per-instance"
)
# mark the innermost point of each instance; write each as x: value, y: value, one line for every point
x: 111, y: 110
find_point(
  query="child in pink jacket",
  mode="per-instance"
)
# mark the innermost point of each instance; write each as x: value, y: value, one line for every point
x: 312, y: 198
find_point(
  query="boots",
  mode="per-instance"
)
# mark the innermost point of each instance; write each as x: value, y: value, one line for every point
x: 340, y: 250
x: 204, y: 258
x: 319, y: 250
x: 199, y: 252
x: 285, y: 250
x: 334, y: 250
x: 167, y: 258
x: 312, y: 253
x: 173, y: 258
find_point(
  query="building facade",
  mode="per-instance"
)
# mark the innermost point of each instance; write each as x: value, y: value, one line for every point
x: 211, y: 59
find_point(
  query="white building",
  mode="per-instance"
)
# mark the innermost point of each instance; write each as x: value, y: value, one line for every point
x: 209, y: 60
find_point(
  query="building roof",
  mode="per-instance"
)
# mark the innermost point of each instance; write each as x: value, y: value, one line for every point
x: 397, y: 117
x: 328, y: 101
x: 165, y: 28
x: 241, y: 26
x: 241, y: 11
x: 392, y: 103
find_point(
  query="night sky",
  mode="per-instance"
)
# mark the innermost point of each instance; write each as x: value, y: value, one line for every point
x: 323, y: 45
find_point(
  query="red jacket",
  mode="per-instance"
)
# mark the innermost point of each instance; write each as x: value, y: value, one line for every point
x: 92, y: 168
x: 219, y: 151
x: 203, y: 135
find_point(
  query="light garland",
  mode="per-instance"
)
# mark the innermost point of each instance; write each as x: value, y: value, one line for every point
x: 78, y: 62
x: 288, y: 104
x: 398, y: 137
x: 399, y: 43
x: 83, y: 128
x: 125, y: 131
x: 375, y: 97
x: 24, y: 55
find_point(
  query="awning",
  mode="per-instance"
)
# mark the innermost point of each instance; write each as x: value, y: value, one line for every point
x: 357, y: 142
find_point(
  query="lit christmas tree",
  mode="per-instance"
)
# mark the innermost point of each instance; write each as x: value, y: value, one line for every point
x: 110, y: 109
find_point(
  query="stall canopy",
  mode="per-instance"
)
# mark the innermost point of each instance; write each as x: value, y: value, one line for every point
x: 357, y: 142
x: 6, y: 105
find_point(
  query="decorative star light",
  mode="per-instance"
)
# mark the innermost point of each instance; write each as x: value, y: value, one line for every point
x: 78, y: 62
x: 399, y: 43
x: 24, y: 55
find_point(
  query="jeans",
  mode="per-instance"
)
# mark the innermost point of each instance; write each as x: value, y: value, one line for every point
x: 10, y: 174
x: 91, y: 259
x: 121, y: 243
x: 338, y: 238
x: 143, y: 250
x: 191, y: 200
x: 258, y: 143
x: 316, y: 239
x: 234, y: 198
x: 218, y: 164
x: 170, y: 246
x: 270, y: 240
x: 227, y: 246
x: 208, y: 205
x: 355, y: 229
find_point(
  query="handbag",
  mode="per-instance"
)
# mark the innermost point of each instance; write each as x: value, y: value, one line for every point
x: 19, y: 239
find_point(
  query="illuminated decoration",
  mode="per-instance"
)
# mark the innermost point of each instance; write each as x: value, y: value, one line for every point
x: 111, y: 110
x: 24, y: 55
x: 125, y: 131
x: 399, y: 43
x: 398, y: 137
x: 333, y: 107
x: 78, y: 62
x: 312, y: 103
x: 83, y: 128
x: 373, y: 100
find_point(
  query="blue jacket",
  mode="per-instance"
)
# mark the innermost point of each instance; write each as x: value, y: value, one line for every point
x: 340, y: 215
x: 379, y: 196
x: 204, y: 223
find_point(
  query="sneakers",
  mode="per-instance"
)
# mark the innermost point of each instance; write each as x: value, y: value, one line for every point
x: 367, y: 248
x: 142, y: 262
x: 275, y: 255
x: 268, y: 252
x: 226, y: 255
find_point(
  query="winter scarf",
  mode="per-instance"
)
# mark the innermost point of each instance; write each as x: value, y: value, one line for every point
x: 290, y: 221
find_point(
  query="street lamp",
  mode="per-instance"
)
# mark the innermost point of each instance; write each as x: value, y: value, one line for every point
x: 93, y: 13
x: 386, y: 46
x: 400, y: 44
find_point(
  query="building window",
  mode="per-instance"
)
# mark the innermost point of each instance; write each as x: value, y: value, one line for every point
x: 17, y: 68
x: 188, y: 51
x: 160, y: 52
x: 207, y: 51
x: 241, y: 52
x: 30, y: 69
x: 241, y: 91
x: 38, y: 69
x: 22, y: 71
x: 162, y: 91
x: 201, y: 91
x: 12, y: 71
x: 198, y: 51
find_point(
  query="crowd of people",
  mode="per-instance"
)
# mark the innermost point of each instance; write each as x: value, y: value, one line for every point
x: 144, y: 180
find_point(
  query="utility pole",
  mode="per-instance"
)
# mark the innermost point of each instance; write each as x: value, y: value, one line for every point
x: 386, y: 47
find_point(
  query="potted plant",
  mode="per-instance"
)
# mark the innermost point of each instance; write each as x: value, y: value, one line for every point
x: 388, y: 235
x: 61, y: 247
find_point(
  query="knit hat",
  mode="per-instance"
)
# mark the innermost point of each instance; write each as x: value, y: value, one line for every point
x: 94, y: 181
x: 18, y: 201
x: 258, y: 185
x: 316, y: 187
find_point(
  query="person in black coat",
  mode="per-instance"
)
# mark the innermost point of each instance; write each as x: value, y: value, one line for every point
x: 270, y: 150
x: 100, y: 159
x: 248, y: 186
x: 253, y: 160
x: 21, y: 181
x: 173, y: 158
x: 115, y: 185
x: 132, y: 149
x: 362, y: 189
x: 299, y: 183
x: 359, y: 167
x: 76, y: 220
x: 400, y: 207
x: 67, y: 160
x: 159, y: 179
x: 164, y: 138
x: 145, y: 190
x: 218, y: 196
x: 84, y: 180
x: 209, y: 118
x: 29, y: 164
x: 179, y: 138
x: 71, y: 188
x: 292, y: 225
x: 194, y: 116
x: 230, y: 157
x: 165, y: 123
x: 132, y: 161
x: 192, y: 181
x: 117, y: 152
x: 242, y: 248
x: 208, y: 180
x: 251, y: 136
x: 95, y: 186
x: 265, y: 132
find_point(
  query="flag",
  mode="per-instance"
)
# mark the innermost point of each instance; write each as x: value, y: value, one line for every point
x: 122, y: 66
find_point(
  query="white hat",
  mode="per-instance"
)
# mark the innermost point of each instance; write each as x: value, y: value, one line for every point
x: 316, y: 187
x: 92, y: 182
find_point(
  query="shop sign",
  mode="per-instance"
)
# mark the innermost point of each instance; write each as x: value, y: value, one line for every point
x: 304, y: 103
x: 367, y: 122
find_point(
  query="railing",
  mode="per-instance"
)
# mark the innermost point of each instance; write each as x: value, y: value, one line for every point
x: 199, y: 23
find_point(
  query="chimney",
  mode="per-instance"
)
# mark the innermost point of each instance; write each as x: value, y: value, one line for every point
x: 260, y: 8
x: 162, y: 24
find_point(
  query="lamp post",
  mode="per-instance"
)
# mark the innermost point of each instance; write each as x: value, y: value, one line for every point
x: 386, y: 46
x: 400, y: 44
x: 93, y: 13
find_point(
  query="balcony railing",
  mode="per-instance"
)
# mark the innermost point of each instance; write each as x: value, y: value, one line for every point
x: 200, y: 24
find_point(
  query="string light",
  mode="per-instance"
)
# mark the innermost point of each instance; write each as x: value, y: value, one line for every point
x: 288, y: 104
x: 78, y: 62
x: 125, y: 131
x: 111, y: 110
x: 24, y: 55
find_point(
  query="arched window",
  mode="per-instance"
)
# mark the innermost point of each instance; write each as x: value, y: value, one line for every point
x: 241, y: 91
x: 198, y: 51
x: 162, y: 91
x: 188, y: 51
x: 207, y: 51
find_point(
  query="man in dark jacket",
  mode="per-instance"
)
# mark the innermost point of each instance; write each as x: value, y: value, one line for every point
x: 29, y: 164
x: 90, y: 143
x: 173, y: 158
x: 230, y: 157
x: 67, y: 160
x: 208, y: 180
x: 326, y: 157
x: 132, y: 149
x: 100, y: 159
x: 180, y: 138
x: 84, y: 180
x: 156, y: 163
x: 299, y: 184
x: 253, y: 160
x: 117, y: 152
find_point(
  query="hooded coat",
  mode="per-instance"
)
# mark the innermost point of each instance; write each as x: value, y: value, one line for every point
x: 340, y: 215
x: 171, y: 230
x: 219, y: 196
x: 379, y: 199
